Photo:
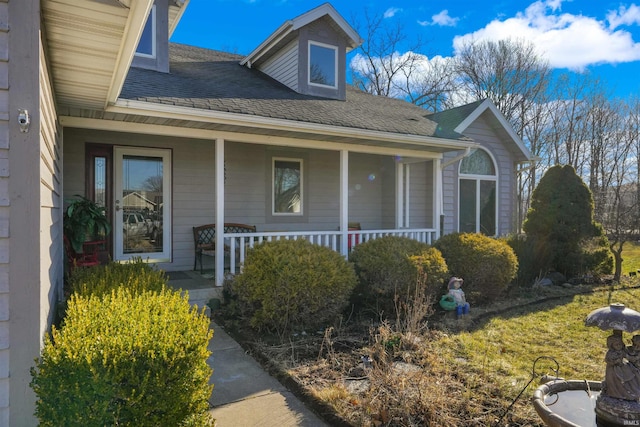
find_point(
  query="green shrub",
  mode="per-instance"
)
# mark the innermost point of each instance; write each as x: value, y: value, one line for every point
x: 294, y: 284
x: 487, y: 265
x: 560, y: 226
x: 135, y: 275
x: 431, y: 263
x: 528, y: 266
x: 384, y: 270
x: 125, y: 359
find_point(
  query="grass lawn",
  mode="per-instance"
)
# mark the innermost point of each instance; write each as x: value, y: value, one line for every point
x: 631, y: 257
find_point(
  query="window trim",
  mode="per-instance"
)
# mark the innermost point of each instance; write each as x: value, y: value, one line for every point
x: 335, y: 64
x: 274, y: 159
x: 478, y: 179
x: 152, y: 17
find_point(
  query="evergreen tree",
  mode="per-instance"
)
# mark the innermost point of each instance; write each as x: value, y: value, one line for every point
x: 561, y: 228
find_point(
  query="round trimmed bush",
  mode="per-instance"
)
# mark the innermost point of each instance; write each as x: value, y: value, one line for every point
x: 293, y: 285
x: 126, y: 359
x: 384, y: 268
x: 487, y: 265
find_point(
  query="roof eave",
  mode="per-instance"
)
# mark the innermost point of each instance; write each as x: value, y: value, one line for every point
x: 209, y: 116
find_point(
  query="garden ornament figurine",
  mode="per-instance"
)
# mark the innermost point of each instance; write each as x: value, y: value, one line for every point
x: 455, y: 291
x: 619, y: 401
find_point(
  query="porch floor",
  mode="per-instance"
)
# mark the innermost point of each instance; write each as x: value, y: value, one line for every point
x: 201, y: 287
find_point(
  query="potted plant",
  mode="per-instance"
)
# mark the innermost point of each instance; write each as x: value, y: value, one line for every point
x: 84, y: 220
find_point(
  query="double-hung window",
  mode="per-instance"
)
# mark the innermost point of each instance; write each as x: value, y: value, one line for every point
x: 478, y: 202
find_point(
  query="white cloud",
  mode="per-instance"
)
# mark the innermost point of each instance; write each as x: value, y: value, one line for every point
x: 567, y: 40
x: 391, y: 12
x: 624, y: 16
x: 442, y: 19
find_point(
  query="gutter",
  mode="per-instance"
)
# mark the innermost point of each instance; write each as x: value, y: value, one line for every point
x: 210, y: 116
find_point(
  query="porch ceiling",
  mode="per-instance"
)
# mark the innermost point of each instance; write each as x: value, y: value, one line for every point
x: 90, y: 44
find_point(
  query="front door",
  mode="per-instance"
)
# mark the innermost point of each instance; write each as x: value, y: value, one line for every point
x: 142, y: 204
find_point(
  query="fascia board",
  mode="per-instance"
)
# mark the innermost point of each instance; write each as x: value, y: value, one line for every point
x: 132, y: 32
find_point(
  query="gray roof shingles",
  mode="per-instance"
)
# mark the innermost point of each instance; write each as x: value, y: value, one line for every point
x: 213, y: 80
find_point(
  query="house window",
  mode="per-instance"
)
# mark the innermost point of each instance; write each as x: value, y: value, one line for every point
x: 147, y: 44
x: 478, y: 202
x: 323, y: 64
x: 287, y: 186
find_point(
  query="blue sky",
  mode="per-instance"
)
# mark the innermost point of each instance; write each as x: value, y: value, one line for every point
x: 600, y: 37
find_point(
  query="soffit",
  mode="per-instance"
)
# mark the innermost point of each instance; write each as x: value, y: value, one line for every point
x: 90, y: 45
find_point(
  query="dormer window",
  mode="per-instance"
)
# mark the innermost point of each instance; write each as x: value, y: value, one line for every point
x: 147, y: 44
x: 323, y: 65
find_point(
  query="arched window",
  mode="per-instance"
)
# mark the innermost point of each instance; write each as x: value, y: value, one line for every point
x: 477, y: 198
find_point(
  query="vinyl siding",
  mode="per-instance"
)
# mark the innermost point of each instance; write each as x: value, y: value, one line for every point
x: 4, y: 219
x: 51, y: 215
x: 421, y: 195
x: 283, y: 66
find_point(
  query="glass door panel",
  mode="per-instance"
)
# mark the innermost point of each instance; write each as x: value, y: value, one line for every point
x: 142, y: 204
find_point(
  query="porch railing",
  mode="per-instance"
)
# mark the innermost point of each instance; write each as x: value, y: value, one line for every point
x: 239, y: 242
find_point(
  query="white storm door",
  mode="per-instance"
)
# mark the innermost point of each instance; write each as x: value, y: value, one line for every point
x: 142, y: 199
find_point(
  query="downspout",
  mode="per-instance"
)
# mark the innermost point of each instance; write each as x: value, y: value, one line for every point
x: 466, y: 153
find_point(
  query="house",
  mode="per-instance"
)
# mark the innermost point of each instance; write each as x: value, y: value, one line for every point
x: 95, y: 101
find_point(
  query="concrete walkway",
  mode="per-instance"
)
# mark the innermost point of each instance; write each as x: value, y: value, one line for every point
x: 245, y: 395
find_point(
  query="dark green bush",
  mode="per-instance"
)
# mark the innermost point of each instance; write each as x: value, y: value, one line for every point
x: 135, y: 275
x: 125, y: 359
x: 384, y: 270
x: 487, y: 265
x: 293, y: 284
x: 560, y: 226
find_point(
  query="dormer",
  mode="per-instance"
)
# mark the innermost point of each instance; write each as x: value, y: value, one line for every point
x: 308, y: 53
x: 152, y: 52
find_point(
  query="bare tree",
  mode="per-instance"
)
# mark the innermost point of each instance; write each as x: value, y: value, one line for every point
x: 388, y: 64
x: 509, y: 72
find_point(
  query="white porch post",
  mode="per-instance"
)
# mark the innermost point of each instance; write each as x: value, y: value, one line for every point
x: 344, y: 201
x: 437, y: 196
x: 219, y: 178
x: 399, y: 195
x: 407, y: 190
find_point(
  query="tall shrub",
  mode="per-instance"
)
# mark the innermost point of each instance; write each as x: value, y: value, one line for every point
x: 125, y: 359
x: 560, y: 227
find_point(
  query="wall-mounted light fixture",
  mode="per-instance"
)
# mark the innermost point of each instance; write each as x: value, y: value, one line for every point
x: 24, y: 120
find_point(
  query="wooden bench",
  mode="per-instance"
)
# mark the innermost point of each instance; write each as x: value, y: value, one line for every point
x: 204, y: 238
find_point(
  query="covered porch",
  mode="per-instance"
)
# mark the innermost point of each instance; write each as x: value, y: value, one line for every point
x: 214, y: 177
x: 378, y: 192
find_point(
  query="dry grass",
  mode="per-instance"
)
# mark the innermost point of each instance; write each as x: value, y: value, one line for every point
x: 456, y: 372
